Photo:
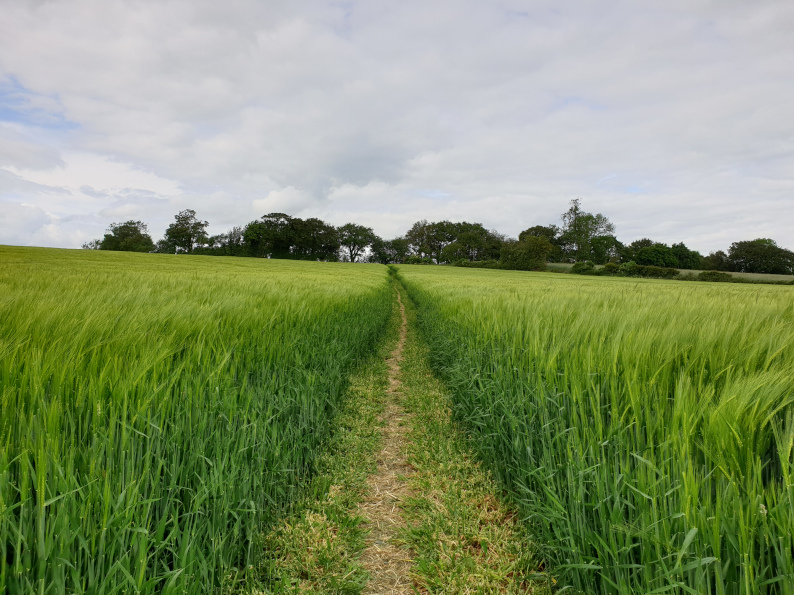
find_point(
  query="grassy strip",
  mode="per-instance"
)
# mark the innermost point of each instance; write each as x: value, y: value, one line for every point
x: 465, y: 539
x: 315, y: 549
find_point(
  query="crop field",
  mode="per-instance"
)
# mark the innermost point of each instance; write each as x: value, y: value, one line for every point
x: 159, y: 414
x: 157, y: 411
x: 645, y: 428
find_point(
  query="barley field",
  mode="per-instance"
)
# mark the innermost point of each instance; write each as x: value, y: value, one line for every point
x: 644, y: 428
x: 157, y: 411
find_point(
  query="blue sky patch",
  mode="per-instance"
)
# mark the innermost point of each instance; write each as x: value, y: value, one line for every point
x: 17, y: 104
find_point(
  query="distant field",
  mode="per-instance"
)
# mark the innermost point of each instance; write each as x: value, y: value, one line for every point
x: 566, y: 266
x: 645, y: 428
x: 157, y: 411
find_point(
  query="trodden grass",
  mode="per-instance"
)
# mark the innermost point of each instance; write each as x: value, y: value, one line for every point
x: 316, y: 548
x: 464, y: 537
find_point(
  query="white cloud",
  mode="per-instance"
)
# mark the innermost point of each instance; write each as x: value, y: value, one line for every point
x: 673, y: 118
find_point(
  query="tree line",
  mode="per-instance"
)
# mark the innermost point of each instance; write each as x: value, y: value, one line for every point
x: 581, y: 237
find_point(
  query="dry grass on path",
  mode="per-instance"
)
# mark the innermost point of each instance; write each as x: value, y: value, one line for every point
x: 387, y: 563
x: 464, y: 537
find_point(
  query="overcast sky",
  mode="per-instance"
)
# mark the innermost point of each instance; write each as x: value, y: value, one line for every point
x: 675, y: 119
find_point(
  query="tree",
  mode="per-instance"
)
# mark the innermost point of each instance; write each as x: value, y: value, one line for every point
x: 185, y: 233
x: 629, y: 253
x: 471, y: 241
x: 761, y: 255
x: 224, y: 244
x: 394, y: 251
x: 687, y: 259
x: 716, y: 261
x: 130, y: 236
x: 314, y: 239
x: 578, y: 230
x: 428, y: 240
x: 551, y: 233
x: 354, y: 239
x: 529, y: 254
x: 278, y: 235
x: 604, y: 249
x: 445, y: 241
x: 658, y: 255
x: 91, y: 245
x: 269, y: 236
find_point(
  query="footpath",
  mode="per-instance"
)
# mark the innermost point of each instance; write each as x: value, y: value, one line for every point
x: 400, y: 503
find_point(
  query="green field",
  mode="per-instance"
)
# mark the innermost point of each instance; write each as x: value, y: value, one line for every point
x: 158, y: 411
x: 645, y: 427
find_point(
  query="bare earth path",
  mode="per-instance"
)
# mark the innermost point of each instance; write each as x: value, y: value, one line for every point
x: 387, y: 564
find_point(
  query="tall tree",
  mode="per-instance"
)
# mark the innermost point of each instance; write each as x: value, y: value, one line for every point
x: 687, y: 259
x: 354, y: 239
x: 579, y: 228
x: 269, y: 236
x: 551, y: 233
x: 130, y: 236
x: 390, y: 251
x: 186, y: 233
x: 629, y: 252
x: 604, y: 249
x: 761, y: 255
x: 314, y: 239
x: 716, y: 261
x: 529, y: 254
x: 224, y: 244
x: 658, y: 254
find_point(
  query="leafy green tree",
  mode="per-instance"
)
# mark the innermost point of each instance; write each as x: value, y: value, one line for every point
x: 716, y: 261
x: 551, y: 233
x: 394, y: 251
x: 428, y: 240
x: 224, y: 244
x: 761, y: 255
x: 580, y: 228
x: 474, y: 242
x: 604, y: 249
x: 687, y: 259
x: 355, y: 239
x: 445, y: 241
x: 269, y: 236
x: 186, y: 233
x: 278, y: 235
x: 420, y: 238
x: 314, y: 239
x: 658, y: 255
x: 130, y: 236
x: 629, y: 252
x: 529, y: 254
x: 91, y: 245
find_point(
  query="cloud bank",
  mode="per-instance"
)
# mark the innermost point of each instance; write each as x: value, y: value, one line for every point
x: 672, y: 118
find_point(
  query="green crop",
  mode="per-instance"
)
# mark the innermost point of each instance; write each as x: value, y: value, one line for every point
x: 157, y: 411
x: 645, y: 428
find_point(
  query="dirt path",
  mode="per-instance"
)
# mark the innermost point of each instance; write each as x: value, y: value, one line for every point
x: 387, y: 564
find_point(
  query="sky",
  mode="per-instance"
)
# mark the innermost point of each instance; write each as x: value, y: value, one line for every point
x: 674, y: 118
